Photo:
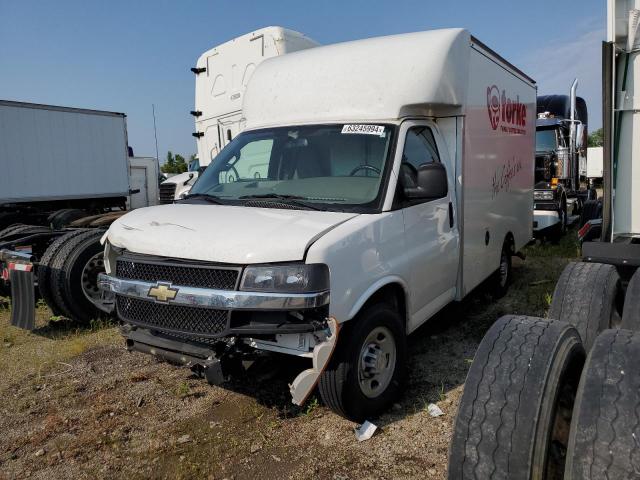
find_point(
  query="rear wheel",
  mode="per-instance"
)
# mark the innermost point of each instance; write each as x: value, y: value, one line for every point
x: 587, y: 296
x: 605, y: 430
x: 514, y: 415
x: 44, y: 272
x: 74, y: 274
x: 501, y: 278
x: 590, y: 211
x: 367, y: 370
x: 64, y: 217
x: 8, y: 218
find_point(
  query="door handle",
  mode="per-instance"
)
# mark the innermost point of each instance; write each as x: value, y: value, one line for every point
x: 450, y: 215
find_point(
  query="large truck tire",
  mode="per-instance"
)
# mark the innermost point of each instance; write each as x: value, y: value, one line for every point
x: 605, y: 430
x: 631, y: 309
x: 366, y: 373
x: 514, y: 415
x: 20, y: 229
x: 64, y: 217
x: 587, y: 296
x: 44, y: 271
x: 73, y: 281
x: 590, y: 211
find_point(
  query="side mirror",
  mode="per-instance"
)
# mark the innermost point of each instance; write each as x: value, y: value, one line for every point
x: 430, y: 183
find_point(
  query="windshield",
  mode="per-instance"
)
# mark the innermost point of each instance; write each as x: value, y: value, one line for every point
x: 546, y: 140
x: 337, y: 166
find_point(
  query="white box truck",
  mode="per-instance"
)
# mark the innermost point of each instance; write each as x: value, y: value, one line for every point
x: 222, y: 75
x: 376, y: 181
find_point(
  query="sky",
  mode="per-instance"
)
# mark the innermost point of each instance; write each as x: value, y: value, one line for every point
x: 124, y: 56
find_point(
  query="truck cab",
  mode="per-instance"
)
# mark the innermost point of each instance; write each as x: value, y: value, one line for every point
x: 222, y: 74
x: 560, y: 149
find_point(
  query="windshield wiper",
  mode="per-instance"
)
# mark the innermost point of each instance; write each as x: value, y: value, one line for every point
x: 204, y: 196
x: 289, y: 199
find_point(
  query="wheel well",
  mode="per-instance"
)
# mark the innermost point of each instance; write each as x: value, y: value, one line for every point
x: 394, y: 295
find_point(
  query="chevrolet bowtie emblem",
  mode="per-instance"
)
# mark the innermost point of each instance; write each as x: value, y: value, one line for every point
x: 163, y: 292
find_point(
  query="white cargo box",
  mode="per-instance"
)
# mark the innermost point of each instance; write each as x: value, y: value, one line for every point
x: 484, y: 108
x: 56, y: 153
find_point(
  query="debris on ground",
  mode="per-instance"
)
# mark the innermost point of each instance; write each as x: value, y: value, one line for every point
x: 365, y: 431
x: 434, y: 410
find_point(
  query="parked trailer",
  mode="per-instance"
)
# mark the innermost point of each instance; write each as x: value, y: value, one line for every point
x: 58, y: 157
x: 317, y: 231
x: 66, y: 169
x: 580, y: 417
x: 222, y: 75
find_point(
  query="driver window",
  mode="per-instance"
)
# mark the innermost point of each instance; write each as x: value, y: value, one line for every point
x: 420, y: 147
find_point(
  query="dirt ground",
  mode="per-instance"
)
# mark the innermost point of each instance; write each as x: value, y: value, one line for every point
x: 75, y: 404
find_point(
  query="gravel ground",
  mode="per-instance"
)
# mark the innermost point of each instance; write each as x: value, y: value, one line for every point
x: 75, y: 404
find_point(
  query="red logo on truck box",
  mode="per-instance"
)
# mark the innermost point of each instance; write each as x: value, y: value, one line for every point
x: 504, y: 112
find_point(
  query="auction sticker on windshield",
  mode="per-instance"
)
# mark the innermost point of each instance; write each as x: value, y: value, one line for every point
x: 364, y: 129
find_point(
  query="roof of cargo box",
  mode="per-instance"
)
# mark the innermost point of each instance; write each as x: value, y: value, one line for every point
x: 372, y: 79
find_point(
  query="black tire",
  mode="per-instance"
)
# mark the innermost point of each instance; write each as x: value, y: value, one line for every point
x: 66, y: 276
x: 515, y: 410
x: 605, y: 430
x: 9, y: 230
x: 64, y: 217
x: 587, y: 296
x: 590, y: 211
x: 339, y: 384
x: 631, y: 309
x: 8, y: 218
x: 44, y: 271
x: 501, y: 278
x: 558, y: 231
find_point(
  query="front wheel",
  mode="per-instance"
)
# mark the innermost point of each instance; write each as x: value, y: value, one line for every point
x: 367, y: 371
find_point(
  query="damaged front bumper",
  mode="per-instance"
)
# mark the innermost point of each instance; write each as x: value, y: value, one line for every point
x: 216, y: 325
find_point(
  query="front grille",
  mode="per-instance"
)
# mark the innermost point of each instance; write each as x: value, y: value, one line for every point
x: 167, y: 192
x: 178, y: 319
x: 202, y: 276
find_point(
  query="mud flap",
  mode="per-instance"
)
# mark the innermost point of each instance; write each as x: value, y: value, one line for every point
x: 306, y: 380
x: 23, y: 311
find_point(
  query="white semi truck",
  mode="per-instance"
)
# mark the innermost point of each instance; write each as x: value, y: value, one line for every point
x: 222, y: 75
x: 374, y: 182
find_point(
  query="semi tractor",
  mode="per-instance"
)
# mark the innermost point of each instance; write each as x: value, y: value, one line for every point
x: 221, y: 78
x: 557, y: 397
x: 67, y: 174
x: 561, y: 142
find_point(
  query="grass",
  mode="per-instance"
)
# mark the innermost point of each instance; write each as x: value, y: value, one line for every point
x: 36, y: 355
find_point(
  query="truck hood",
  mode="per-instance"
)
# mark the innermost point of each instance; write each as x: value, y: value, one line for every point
x: 222, y: 233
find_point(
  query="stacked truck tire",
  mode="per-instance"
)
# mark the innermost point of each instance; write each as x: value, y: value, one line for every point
x: 557, y: 398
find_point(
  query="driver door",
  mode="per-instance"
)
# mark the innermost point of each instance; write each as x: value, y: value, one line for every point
x: 432, y: 239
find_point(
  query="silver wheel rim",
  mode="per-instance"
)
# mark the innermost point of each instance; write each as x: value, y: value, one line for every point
x: 504, y: 269
x: 377, y: 362
x: 90, y: 272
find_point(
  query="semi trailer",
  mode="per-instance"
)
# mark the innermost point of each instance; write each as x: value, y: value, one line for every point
x: 221, y: 78
x: 558, y: 397
x: 66, y: 171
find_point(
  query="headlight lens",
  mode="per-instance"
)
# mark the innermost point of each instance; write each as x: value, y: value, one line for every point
x: 543, y: 194
x: 293, y: 278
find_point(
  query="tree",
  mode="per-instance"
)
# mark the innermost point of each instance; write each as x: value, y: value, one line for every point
x: 596, y: 139
x: 169, y: 165
x: 181, y: 165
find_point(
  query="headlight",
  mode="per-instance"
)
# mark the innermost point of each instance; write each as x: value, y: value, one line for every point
x: 543, y: 194
x: 293, y: 278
